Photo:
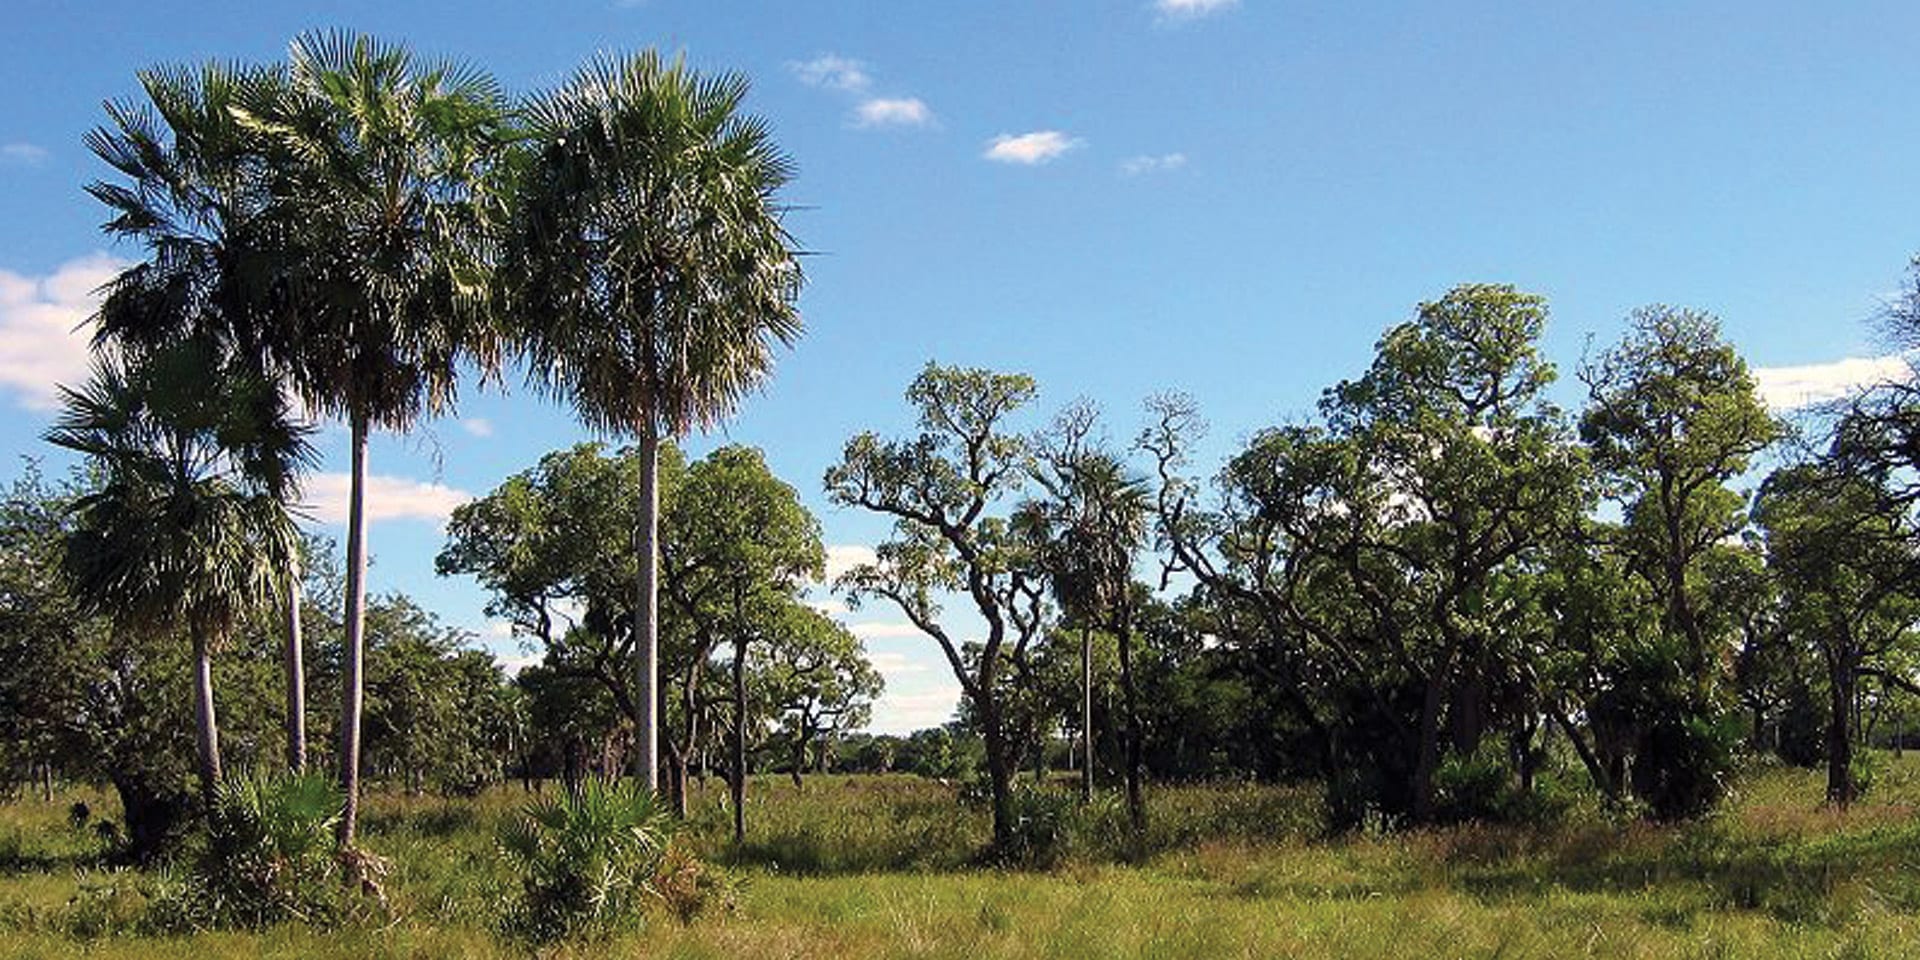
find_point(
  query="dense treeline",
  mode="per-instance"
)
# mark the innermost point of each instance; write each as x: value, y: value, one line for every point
x: 1434, y: 595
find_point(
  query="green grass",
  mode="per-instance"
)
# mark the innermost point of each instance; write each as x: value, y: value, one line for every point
x: 881, y: 866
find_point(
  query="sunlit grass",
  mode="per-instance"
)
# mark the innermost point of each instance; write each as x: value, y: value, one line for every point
x: 882, y: 866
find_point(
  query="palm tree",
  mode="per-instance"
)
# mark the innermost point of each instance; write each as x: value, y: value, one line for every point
x: 1089, y: 530
x: 195, y: 190
x: 380, y: 161
x: 188, y: 529
x: 649, y: 276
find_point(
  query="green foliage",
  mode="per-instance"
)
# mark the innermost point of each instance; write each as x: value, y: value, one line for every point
x: 588, y: 860
x: 268, y: 857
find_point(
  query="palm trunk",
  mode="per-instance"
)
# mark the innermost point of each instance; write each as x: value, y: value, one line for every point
x: 740, y: 739
x: 646, y: 608
x: 1136, y: 805
x: 296, y: 677
x: 352, y: 682
x: 206, y: 723
x: 1086, y: 714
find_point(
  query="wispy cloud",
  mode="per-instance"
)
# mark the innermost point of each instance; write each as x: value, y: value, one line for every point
x: 834, y: 72
x: 1148, y: 163
x: 1029, y: 149
x: 22, y: 154
x: 1790, y: 388
x: 885, y: 630
x: 477, y: 426
x: 892, y: 112
x: 1191, y: 9
x: 45, y: 328
x: 388, y: 498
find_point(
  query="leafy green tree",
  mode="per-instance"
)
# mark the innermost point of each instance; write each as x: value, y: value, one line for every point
x: 1672, y: 418
x: 817, y: 682
x: 1385, y: 540
x: 649, y: 275
x: 189, y: 530
x: 79, y: 694
x: 1848, y: 569
x: 940, y: 489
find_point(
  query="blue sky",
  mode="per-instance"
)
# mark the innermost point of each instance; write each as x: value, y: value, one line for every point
x: 1121, y: 197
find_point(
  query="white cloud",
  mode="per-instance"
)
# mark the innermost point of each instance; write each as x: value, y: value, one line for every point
x: 477, y: 426
x: 1789, y: 388
x: 1147, y: 163
x: 388, y: 498
x: 23, y: 154
x: 885, y: 630
x: 892, y: 112
x: 900, y: 713
x: 514, y: 663
x: 45, y: 327
x: 892, y: 663
x: 842, y: 557
x: 833, y: 72
x: 1190, y: 9
x: 1029, y: 149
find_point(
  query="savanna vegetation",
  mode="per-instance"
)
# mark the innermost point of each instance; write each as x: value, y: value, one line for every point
x: 1468, y: 661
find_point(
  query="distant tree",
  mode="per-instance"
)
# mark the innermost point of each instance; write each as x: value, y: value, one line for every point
x: 939, y: 488
x: 818, y: 682
x: 650, y: 275
x: 189, y: 530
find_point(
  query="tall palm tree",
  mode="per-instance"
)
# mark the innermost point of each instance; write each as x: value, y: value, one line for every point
x: 649, y: 275
x: 194, y: 191
x: 1089, y: 528
x: 380, y: 160
x: 188, y: 530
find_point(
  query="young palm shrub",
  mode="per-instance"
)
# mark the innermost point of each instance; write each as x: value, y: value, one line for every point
x: 589, y: 860
x: 269, y: 856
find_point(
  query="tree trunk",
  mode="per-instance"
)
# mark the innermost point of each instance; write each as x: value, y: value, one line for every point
x: 1427, y: 757
x: 646, y: 607
x: 740, y: 739
x: 999, y: 774
x: 296, y: 677
x: 1839, y: 738
x: 1136, y: 806
x: 1086, y: 714
x: 352, y: 691
x: 206, y: 724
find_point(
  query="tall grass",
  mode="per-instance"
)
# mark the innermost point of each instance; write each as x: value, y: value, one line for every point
x: 886, y: 866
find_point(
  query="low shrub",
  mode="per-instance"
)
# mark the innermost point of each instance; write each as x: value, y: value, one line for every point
x: 268, y: 856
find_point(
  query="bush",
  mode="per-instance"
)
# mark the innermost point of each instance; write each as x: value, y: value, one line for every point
x: 592, y: 858
x: 268, y: 856
x: 1864, y: 768
x: 1475, y: 787
x: 1684, y: 766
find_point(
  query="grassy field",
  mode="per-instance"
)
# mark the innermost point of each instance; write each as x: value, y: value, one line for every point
x: 873, y: 866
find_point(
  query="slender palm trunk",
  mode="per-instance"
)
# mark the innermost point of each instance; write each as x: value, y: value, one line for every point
x: 296, y: 677
x: 1129, y: 692
x: 1086, y: 713
x: 646, y: 608
x: 740, y: 740
x: 352, y: 682
x: 207, y: 724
